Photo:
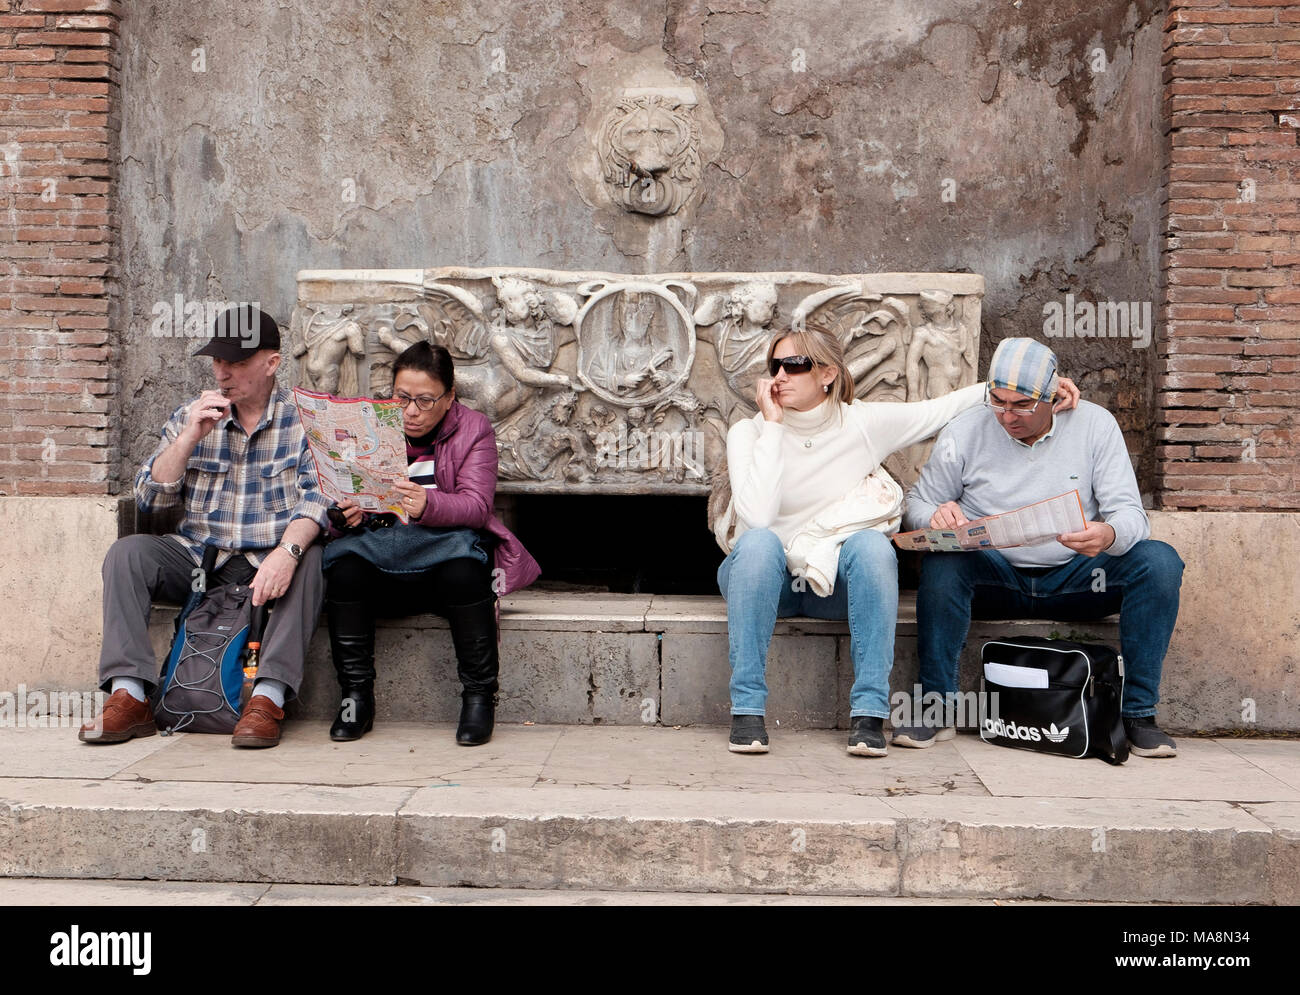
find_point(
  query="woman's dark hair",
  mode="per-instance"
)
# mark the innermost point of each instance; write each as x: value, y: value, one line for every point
x: 425, y: 357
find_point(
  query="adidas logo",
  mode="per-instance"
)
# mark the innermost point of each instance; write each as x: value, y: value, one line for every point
x: 1032, y: 734
x: 1009, y: 730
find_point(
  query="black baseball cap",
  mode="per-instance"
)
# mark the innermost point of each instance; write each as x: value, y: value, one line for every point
x: 240, y: 331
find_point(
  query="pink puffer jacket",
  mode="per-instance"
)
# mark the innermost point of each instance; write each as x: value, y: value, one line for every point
x: 465, y: 470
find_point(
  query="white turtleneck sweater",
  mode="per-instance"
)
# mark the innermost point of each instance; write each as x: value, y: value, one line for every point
x: 784, y: 473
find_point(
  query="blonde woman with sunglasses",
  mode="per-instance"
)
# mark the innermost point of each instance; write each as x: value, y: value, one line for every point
x: 808, y: 522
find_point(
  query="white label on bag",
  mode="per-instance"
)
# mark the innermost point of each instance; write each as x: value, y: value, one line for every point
x: 1015, y: 677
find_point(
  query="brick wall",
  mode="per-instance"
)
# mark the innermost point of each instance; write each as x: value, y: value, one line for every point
x: 1230, y: 390
x: 59, y: 65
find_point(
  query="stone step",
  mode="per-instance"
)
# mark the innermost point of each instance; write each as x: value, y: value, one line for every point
x: 627, y: 659
x: 656, y: 810
x: 55, y: 892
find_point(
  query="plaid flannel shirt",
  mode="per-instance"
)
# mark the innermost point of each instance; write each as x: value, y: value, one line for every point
x: 240, y: 492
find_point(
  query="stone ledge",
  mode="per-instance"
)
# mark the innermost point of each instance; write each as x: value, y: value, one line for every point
x: 657, y: 810
x: 614, y: 659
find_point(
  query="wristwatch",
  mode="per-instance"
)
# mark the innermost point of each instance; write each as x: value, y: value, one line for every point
x: 293, y: 549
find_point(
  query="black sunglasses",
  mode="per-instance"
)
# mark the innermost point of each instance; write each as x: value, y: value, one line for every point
x: 791, y: 365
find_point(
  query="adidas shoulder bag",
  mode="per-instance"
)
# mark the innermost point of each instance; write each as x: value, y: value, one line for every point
x: 1054, y: 696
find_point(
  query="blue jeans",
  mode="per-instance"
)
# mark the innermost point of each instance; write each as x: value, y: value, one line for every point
x: 1142, y: 585
x: 759, y: 589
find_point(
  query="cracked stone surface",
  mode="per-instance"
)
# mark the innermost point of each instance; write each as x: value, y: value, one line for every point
x: 656, y: 758
x: 355, y: 136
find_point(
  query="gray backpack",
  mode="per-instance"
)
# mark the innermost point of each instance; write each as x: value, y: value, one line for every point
x: 202, y: 682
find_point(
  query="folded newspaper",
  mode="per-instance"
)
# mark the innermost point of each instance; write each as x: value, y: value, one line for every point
x: 358, y: 446
x: 1027, y: 526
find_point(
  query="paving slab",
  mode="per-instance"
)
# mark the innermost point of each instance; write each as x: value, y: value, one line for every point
x: 61, y: 892
x: 1203, y: 769
x: 58, y: 753
x: 708, y: 613
x: 394, y: 753
x: 209, y: 831
x: 1284, y: 855
x: 57, y: 892
x: 697, y: 759
x: 608, y: 613
x: 1093, y: 849
x: 1279, y: 758
x: 649, y: 840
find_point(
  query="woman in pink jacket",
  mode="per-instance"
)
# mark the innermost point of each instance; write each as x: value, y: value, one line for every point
x: 453, y: 557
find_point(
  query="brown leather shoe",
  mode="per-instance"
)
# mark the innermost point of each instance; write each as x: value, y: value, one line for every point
x: 260, y: 724
x: 123, y: 718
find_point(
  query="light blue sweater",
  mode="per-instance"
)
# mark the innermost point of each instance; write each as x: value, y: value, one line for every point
x: 984, y: 470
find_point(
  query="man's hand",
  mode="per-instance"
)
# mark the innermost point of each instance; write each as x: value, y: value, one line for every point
x: 1067, y: 394
x: 273, y: 576
x: 351, y: 512
x: 1096, y: 538
x: 414, y: 497
x: 203, y: 415
x: 948, y: 516
x: 767, y: 401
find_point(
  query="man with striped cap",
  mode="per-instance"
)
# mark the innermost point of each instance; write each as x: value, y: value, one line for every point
x: 1012, y: 452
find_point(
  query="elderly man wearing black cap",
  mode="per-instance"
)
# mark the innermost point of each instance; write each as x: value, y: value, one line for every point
x: 237, y: 460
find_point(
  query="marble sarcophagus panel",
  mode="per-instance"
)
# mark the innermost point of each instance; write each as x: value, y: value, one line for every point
x: 610, y: 383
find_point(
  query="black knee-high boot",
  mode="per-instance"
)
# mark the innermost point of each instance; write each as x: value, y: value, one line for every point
x: 352, y: 644
x: 474, y: 634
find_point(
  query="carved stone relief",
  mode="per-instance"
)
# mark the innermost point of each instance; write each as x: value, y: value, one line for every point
x: 608, y: 383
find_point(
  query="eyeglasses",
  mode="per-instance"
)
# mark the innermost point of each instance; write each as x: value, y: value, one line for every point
x: 1004, y: 409
x: 791, y: 365
x: 422, y: 403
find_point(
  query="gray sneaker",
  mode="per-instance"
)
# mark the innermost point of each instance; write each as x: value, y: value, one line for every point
x: 748, y: 734
x: 1147, y: 740
x: 922, y: 737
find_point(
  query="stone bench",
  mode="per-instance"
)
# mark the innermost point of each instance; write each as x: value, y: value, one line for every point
x: 628, y: 659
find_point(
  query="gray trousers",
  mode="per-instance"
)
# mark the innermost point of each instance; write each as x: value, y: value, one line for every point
x: 141, y: 569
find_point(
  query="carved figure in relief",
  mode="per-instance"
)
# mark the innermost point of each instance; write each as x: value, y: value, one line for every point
x: 393, y: 333
x: 739, y: 325
x: 876, y: 352
x: 621, y: 364
x: 535, y: 447
x: 650, y: 153
x: 505, y: 358
x: 327, y: 339
x: 939, y: 345
x: 870, y: 329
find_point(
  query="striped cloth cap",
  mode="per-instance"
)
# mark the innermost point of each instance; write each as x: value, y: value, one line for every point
x: 1025, y: 366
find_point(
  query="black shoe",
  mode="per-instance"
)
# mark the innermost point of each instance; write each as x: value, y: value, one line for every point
x: 1146, y: 740
x: 356, y: 714
x: 474, y: 634
x: 748, y: 734
x: 477, y: 718
x: 867, y: 736
x: 352, y: 645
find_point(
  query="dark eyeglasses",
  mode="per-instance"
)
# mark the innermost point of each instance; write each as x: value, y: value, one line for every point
x: 791, y: 365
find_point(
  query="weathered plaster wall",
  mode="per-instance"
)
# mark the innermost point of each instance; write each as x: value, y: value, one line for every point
x: 455, y: 124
